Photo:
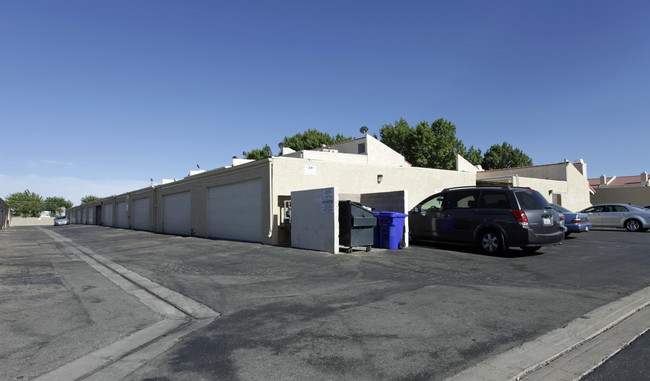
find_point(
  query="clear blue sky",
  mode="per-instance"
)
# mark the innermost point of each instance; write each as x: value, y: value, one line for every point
x: 97, y: 97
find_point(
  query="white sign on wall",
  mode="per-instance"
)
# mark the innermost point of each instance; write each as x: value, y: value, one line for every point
x: 310, y: 170
x: 328, y: 200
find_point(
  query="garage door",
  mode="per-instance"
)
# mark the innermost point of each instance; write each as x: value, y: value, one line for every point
x: 235, y: 211
x: 122, y: 220
x: 176, y: 213
x: 108, y: 214
x: 141, y: 214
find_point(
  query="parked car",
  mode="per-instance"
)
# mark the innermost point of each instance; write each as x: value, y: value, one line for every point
x: 631, y: 217
x: 574, y: 222
x: 494, y: 218
x: 61, y: 220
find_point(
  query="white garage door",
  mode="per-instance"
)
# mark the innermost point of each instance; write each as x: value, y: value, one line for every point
x: 235, y: 211
x: 122, y: 220
x: 176, y: 213
x: 141, y: 214
x: 108, y: 214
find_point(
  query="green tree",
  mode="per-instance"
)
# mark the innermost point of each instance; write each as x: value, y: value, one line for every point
x: 474, y: 156
x: 505, y: 156
x: 55, y: 205
x: 257, y: 153
x: 87, y: 199
x: 26, y: 203
x: 311, y: 139
x: 397, y: 137
x: 426, y: 145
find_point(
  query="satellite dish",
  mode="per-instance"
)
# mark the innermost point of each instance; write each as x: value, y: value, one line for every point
x: 363, y: 130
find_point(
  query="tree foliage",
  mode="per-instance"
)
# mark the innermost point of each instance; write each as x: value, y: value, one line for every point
x: 56, y: 205
x: 427, y: 145
x: 505, y: 156
x: 435, y: 145
x: 26, y: 203
x: 311, y: 139
x: 89, y: 198
x: 257, y: 153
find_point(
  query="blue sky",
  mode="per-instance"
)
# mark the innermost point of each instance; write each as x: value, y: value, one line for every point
x: 97, y: 97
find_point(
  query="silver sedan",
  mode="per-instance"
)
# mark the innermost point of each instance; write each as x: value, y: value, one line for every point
x: 631, y: 217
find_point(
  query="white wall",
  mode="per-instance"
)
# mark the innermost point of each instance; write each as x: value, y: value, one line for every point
x: 315, y: 219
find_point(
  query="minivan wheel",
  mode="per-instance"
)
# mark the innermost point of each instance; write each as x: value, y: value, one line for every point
x: 632, y: 225
x: 490, y: 242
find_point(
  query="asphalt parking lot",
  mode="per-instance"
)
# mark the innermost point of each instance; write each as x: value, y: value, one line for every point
x: 79, y: 296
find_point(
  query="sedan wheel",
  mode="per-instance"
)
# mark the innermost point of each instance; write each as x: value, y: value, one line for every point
x: 632, y: 225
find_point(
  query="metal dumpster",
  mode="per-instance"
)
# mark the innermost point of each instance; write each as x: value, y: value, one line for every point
x: 356, y: 225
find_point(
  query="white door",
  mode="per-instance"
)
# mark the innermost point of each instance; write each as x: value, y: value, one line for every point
x: 108, y: 214
x: 235, y: 211
x: 141, y: 214
x: 122, y: 220
x: 176, y: 213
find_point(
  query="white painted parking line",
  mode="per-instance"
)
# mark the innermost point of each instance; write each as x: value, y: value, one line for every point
x: 570, y: 352
x: 179, y: 314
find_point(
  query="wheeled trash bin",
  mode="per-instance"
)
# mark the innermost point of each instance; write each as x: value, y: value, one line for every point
x: 391, y: 230
x: 356, y: 225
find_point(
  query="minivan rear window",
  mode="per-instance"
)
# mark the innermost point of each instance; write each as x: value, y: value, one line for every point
x: 531, y: 199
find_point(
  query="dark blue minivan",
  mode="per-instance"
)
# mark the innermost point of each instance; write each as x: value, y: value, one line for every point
x: 494, y: 218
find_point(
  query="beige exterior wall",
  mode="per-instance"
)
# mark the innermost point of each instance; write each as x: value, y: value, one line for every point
x: 578, y: 193
x: 288, y: 174
x: 463, y: 165
x: 638, y: 195
x: 570, y: 187
x: 32, y: 221
x: 292, y: 174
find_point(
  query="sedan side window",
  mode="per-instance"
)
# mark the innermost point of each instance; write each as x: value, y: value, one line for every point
x: 595, y: 209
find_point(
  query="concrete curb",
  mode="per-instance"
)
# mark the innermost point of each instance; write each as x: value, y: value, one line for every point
x: 180, y: 316
x: 524, y: 361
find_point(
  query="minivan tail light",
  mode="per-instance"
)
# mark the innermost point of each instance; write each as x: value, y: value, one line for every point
x: 520, y: 216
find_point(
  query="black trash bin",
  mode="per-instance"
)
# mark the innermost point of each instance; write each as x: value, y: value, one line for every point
x: 356, y: 225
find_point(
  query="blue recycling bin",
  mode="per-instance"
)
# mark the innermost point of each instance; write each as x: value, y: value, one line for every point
x: 376, y: 242
x: 391, y: 229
